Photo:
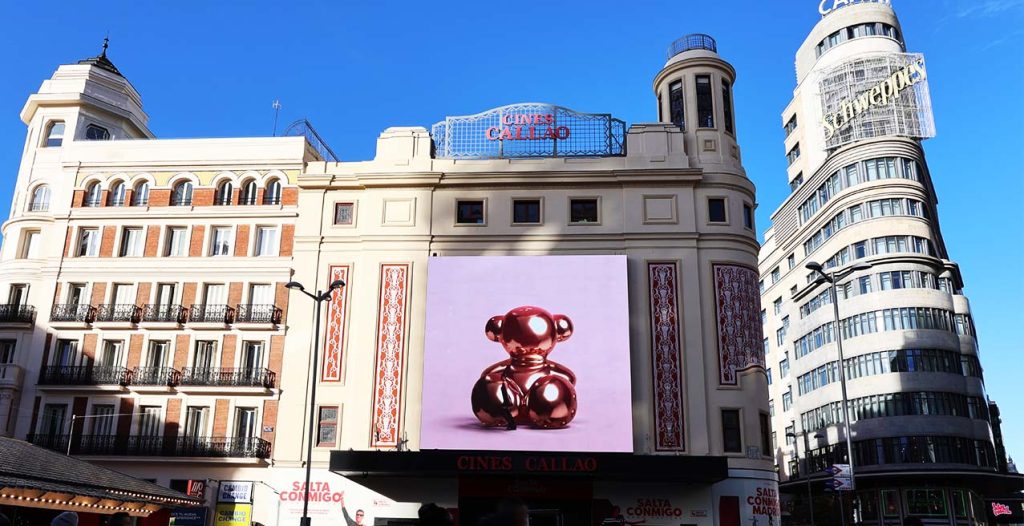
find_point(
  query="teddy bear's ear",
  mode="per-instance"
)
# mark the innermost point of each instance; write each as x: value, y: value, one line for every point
x: 563, y: 327
x: 493, y: 328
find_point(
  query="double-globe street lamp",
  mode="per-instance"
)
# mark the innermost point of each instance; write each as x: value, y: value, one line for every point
x: 319, y: 297
x: 832, y: 278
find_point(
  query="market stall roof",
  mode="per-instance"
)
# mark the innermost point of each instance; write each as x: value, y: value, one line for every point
x: 33, y: 477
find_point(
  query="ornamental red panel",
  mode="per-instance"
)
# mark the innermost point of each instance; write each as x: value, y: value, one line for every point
x: 740, y: 333
x: 666, y: 357
x: 337, y: 316
x: 390, y: 361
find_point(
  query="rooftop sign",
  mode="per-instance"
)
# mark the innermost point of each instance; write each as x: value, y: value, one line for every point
x: 529, y: 130
x: 827, y: 6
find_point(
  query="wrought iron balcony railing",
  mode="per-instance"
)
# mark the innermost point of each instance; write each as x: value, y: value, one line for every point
x: 228, y: 377
x: 209, y: 313
x: 163, y: 313
x: 71, y: 312
x: 155, y: 446
x: 257, y: 314
x: 691, y: 42
x: 117, y: 312
x: 83, y: 375
x: 154, y: 376
x: 39, y: 206
x: 14, y: 313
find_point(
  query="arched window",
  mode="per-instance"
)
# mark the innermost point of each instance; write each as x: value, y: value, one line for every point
x: 92, y: 195
x: 140, y: 196
x: 182, y: 194
x: 272, y: 195
x: 224, y: 190
x: 96, y: 133
x: 117, y: 194
x: 40, y: 199
x: 55, y: 134
x: 248, y: 193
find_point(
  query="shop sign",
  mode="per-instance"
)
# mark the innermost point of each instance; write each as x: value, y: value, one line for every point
x: 764, y: 501
x: 196, y: 488
x: 884, y: 93
x: 231, y: 514
x: 188, y: 517
x: 531, y: 464
x: 828, y: 6
x: 1001, y: 509
x: 235, y: 491
x: 646, y: 509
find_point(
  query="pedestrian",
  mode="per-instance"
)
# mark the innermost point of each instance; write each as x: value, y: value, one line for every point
x: 360, y: 515
x: 433, y: 515
x: 119, y: 519
x: 68, y: 518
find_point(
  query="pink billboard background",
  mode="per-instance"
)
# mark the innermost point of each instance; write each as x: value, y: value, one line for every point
x: 463, y: 293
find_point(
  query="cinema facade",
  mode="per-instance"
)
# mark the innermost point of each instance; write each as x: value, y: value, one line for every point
x: 539, y: 302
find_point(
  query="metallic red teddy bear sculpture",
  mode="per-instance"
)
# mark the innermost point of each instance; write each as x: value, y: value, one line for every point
x: 526, y: 389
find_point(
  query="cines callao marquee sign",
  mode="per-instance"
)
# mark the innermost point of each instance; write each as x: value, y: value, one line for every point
x: 828, y: 6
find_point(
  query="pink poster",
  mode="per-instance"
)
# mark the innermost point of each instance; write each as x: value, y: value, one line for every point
x: 527, y: 353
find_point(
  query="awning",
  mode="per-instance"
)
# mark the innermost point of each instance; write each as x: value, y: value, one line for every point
x: 379, y: 470
x: 34, y: 477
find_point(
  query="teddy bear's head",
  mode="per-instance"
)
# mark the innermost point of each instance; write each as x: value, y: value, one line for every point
x: 527, y: 330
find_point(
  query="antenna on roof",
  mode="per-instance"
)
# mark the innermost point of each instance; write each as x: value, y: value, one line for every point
x: 277, y: 109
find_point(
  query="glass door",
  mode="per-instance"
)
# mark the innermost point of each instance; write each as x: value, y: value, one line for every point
x: 251, y: 361
x: 51, y: 427
x: 67, y: 352
x: 195, y: 430
x: 18, y: 295
x: 76, y: 294
x: 245, y: 428
x: 261, y: 295
x: 165, y: 301
x: 158, y: 351
x: 111, y: 355
x: 102, y: 420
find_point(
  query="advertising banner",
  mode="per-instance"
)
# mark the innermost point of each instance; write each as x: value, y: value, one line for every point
x: 755, y: 502
x: 231, y: 514
x: 653, y: 505
x: 527, y: 354
x: 188, y: 517
x: 235, y: 491
x: 333, y: 497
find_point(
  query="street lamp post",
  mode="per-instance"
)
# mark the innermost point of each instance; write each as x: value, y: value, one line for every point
x: 832, y: 278
x: 318, y: 298
x: 807, y: 470
x: 71, y: 429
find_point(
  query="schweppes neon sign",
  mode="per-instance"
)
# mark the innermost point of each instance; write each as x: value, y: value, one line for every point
x: 882, y: 94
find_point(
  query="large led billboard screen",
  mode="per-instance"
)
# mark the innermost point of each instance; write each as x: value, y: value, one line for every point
x: 527, y: 353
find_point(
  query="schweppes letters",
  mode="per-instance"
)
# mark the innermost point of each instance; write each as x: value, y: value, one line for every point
x: 882, y: 94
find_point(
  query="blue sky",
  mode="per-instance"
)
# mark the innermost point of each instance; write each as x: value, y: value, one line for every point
x: 212, y: 69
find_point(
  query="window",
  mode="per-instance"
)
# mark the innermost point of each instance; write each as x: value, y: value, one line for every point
x: 777, y: 305
x: 764, y: 317
x: 583, y: 210
x: 344, y: 213
x: 327, y: 427
x: 150, y: 421
x: 748, y: 216
x: 675, y: 104
x: 776, y: 275
x: 177, y: 242
x: 195, y: 422
x: 88, y: 242
x: 117, y: 194
x: 732, y: 441
x: 791, y: 261
x: 787, y: 399
x: 52, y: 423
x: 790, y: 125
x: 140, y: 196
x: 67, y: 353
x: 182, y: 194
x: 131, y: 242
x: 225, y: 191
x: 797, y: 181
x: 793, y: 154
x: 784, y: 366
x: 205, y: 357
x: 40, y: 199
x: 18, y: 294
x: 526, y: 211
x: 76, y: 294
x: 266, y: 241
x: 111, y: 355
x: 158, y: 353
x: 716, y: 210
x: 220, y: 244
x: 768, y: 373
x: 771, y: 407
x: 760, y: 288
x: 93, y: 195
x: 272, y: 195
x: 96, y: 133
x: 705, y: 107
x: 245, y: 422
x: 469, y: 212
x: 727, y: 107
x: 791, y: 434
x: 102, y: 421
x: 248, y: 196
x: 6, y: 351
x: 29, y: 244
x: 252, y: 357
x: 766, y: 435
x: 55, y: 134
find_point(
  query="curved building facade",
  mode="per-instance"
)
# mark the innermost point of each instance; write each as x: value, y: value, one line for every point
x: 862, y: 194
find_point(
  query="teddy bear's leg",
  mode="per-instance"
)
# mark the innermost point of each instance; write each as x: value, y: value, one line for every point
x: 496, y: 401
x: 552, y: 402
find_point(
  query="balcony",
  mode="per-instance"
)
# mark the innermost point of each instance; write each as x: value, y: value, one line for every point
x: 168, y: 314
x: 194, y: 376
x: 10, y: 376
x: 71, y: 313
x: 14, y: 313
x: 83, y: 375
x: 154, y: 376
x: 216, y: 314
x: 117, y: 313
x: 258, y: 314
x: 156, y: 446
